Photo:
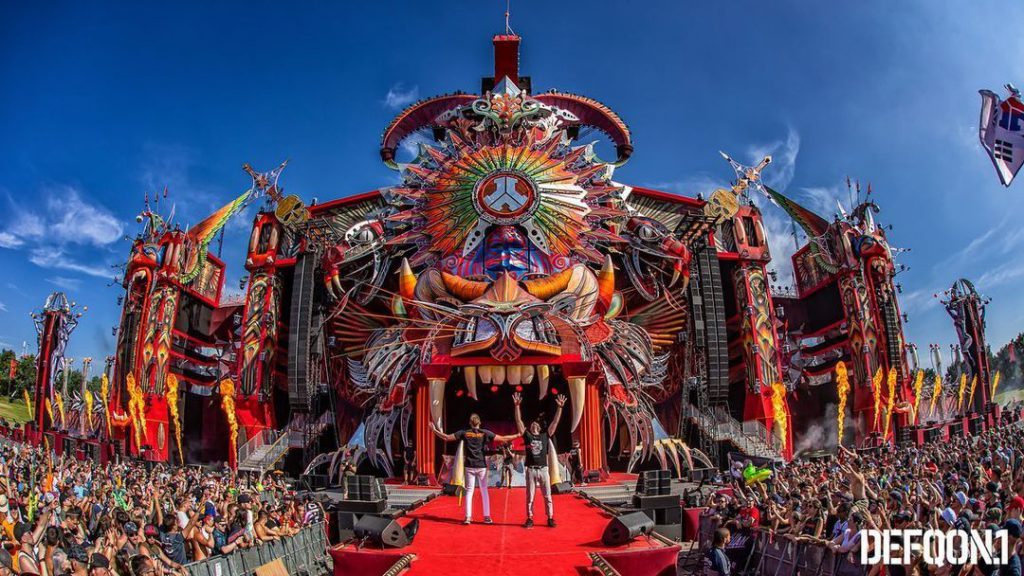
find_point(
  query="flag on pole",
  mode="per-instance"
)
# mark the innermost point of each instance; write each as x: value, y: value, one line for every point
x: 1001, y: 129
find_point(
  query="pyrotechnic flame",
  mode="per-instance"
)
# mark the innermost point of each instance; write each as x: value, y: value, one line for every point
x: 60, y: 408
x: 974, y: 384
x: 227, y: 403
x: 87, y: 417
x: 890, y: 403
x: 936, y: 392
x: 105, y: 396
x: 49, y: 409
x: 843, y: 388
x: 876, y: 390
x: 171, y: 393
x: 136, y: 409
x: 779, y: 410
x: 960, y: 394
x: 995, y: 385
x: 918, y: 384
x: 28, y: 400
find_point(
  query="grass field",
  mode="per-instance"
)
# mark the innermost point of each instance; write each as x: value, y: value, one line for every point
x: 1009, y: 396
x: 14, y: 411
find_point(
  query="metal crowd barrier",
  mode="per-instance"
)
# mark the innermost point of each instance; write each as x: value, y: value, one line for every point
x: 303, y: 553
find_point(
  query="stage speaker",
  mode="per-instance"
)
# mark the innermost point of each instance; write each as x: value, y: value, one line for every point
x: 624, y: 528
x: 385, y: 532
x: 592, y: 476
x: 313, y: 482
x: 654, y: 483
x: 364, y: 487
x: 561, y: 488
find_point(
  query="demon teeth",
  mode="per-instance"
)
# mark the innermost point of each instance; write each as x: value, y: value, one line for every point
x: 499, y: 375
x: 486, y: 375
x: 514, y: 375
x: 543, y: 377
x: 527, y: 374
x: 470, y: 372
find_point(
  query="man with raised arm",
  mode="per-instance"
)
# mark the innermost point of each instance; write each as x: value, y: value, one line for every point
x: 536, y: 441
x: 475, y: 439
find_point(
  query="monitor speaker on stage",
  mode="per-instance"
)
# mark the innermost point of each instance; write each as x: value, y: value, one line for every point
x: 654, y: 483
x: 624, y: 528
x: 364, y: 487
x: 561, y: 488
x: 385, y: 532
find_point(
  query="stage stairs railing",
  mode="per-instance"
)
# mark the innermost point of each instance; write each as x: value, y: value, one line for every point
x: 263, y: 450
x: 720, y: 426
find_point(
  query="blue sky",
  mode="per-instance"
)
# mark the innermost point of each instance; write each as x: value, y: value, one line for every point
x: 102, y: 103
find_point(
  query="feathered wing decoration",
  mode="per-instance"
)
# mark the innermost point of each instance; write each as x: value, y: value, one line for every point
x: 812, y: 224
x: 200, y: 235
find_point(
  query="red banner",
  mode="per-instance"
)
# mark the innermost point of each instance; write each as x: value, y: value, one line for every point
x: 13, y: 369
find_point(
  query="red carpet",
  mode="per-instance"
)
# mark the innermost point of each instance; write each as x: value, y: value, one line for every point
x: 444, y: 546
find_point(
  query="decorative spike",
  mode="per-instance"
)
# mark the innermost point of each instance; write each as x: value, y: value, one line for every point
x: 437, y: 400
x: 406, y: 281
x: 577, y: 391
x: 470, y: 373
x: 606, y: 283
x: 543, y: 378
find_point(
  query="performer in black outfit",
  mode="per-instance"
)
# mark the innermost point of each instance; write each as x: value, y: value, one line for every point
x: 536, y: 442
x: 474, y: 440
x: 410, y: 464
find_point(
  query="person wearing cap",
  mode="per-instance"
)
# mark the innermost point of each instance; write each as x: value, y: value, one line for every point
x: 99, y: 565
x: 153, y: 548
x: 79, y: 559
x: 245, y: 504
x: 28, y: 537
x: 1015, y: 508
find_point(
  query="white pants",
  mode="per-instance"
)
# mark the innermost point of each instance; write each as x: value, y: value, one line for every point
x: 535, y: 477
x: 476, y: 476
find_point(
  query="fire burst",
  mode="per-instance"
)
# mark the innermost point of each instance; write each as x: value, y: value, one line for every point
x: 936, y: 392
x: 227, y: 403
x: 918, y: 384
x: 876, y: 389
x: 843, y: 388
x: 779, y: 409
x: 890, y: 402
x: 171, y: 393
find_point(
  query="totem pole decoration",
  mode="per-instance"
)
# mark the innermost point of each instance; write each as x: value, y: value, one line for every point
x: 54, y: 325
x: 967, y: 309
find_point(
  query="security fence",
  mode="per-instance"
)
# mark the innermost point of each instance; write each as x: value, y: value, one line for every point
x: 303, y: 553
x: 761, y: 553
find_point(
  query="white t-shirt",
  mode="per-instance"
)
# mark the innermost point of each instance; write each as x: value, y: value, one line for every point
x: 182, y: 519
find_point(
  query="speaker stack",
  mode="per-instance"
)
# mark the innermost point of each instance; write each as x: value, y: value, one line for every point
x: 365, y: 497
x: 654, y: 498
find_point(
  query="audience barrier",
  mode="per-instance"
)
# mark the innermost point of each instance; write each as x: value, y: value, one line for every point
x: 760, y: 553
x: 303, y: 553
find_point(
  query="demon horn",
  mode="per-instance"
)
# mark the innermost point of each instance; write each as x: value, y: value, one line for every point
x: 407, y: 281
x: 436, y: 401
x: 577, y: 389
x: 606, y: 283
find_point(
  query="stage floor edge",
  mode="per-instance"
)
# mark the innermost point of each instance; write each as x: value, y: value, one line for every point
x: 444, y: 546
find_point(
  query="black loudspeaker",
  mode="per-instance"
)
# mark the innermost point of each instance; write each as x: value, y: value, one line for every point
x: 313, y: 481
x: 592, y: 476
x: 385, y: 532
x: 450, y: 490
x: 561, y: 488
x: 654, y: 483
x: 624, y: 528
x: 364, y: 487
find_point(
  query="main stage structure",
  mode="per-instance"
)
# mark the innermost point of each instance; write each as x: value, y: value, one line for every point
x: 509, y: 257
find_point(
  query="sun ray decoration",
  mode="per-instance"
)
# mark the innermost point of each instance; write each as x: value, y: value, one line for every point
x: 843, y: 388
x: 549, y: 200
x: 890, y: 402
x: 918, y: 385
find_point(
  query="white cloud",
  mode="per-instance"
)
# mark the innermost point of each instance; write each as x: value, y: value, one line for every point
x: 780, y: 173
x: 3, y: 307
x: 65, y: 283
x: 8, y: 240
x: 399, y: 97
x: 74, y: 221
x: 58, y: 260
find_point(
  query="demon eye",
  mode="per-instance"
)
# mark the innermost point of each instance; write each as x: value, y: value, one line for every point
x: 647, y: 233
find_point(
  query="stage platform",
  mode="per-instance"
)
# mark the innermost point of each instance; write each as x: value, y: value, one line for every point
x: 444, y: 546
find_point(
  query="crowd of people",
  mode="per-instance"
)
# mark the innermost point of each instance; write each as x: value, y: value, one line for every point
x: 61, y: 516
x: 974, y: 483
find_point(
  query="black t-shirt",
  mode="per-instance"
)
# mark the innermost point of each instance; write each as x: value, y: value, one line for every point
x: 474, y: 449
x: 536, y: 448
x: 174, y: 546
x: 410, y: 453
